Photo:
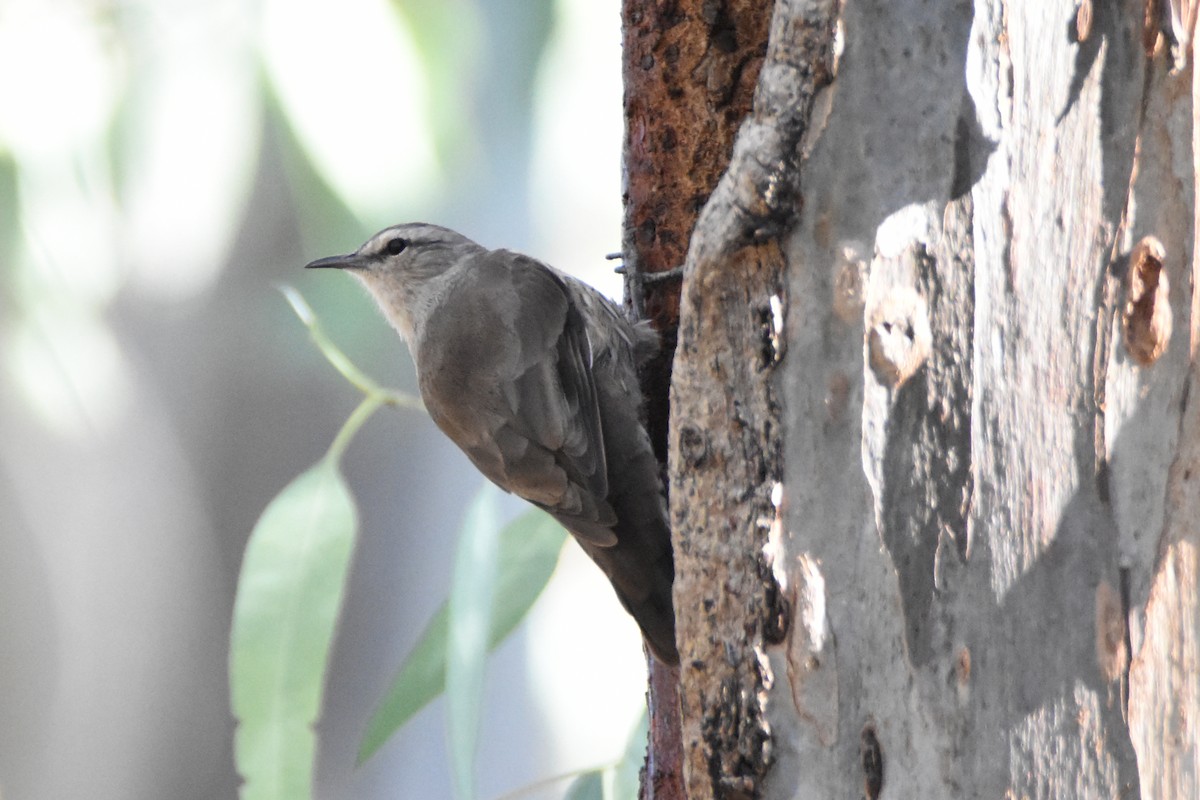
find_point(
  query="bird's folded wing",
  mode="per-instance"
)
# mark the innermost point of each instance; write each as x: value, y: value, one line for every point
x: 539, y: 435
x: 554, y: 400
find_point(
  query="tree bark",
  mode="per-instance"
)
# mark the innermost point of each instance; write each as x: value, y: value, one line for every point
x: 725, y: 457
x: 689, y: 70
x: 938, y: 536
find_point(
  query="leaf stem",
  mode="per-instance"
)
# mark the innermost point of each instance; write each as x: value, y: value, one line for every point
x: 341, y: 362
x: 544, y: 783
x: 361, y: 414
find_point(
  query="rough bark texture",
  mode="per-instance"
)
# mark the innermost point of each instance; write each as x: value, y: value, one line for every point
x: 987, y: 560
x: 690, y: 67
x: 689, y: 71
x: 1164, y: 678
x: 724, y: 442
x: 662, y: 778
x: 990, y: 530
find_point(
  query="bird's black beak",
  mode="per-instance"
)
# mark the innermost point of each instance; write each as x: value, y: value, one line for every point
x: 350, y: 261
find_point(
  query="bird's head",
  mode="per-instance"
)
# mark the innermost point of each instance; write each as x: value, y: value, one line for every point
x: 412, y: 251
x: 399, y: 263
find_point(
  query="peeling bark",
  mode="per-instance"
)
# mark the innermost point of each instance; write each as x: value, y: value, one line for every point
x: 982, y: 579
x: 689, y: 69
x: 724, y: 442
x: 1164, y: 679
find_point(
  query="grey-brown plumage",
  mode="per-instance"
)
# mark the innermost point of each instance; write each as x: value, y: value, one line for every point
x: 533, y: 374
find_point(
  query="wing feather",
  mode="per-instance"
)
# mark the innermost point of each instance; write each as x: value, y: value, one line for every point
x: 511, y: 383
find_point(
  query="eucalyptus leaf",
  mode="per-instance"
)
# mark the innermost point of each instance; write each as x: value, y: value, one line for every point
x: 289, y: 596
x: 528, y: 552
x: 588, y: 786
x: 367, y: 52
x: 180, y: 91
x: 469, y: 618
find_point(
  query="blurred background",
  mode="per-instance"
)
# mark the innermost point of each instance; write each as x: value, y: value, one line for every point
x: 164, y: 166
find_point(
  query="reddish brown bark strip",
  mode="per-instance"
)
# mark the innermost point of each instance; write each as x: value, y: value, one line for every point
x: 689, y: 67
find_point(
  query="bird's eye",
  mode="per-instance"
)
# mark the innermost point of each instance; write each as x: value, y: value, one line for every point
x: 396, y: 246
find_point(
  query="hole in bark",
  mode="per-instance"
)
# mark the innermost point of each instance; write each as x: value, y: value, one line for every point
x: 725, y: 40
x: 899, y: 337
x: 871, y: 754
x: 1083, y: 22
x: 775, y: 625
x: 1146, y: 319
x: 646, y: 232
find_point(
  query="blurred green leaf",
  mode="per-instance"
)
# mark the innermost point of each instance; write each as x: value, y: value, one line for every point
x: 588, y: 786
x: 627, y: 774
x: 421, y: 678
x: 289, y: 595
x: 10, y: 225
x: 188, y: 121
x: 366, y: 52
x: 619, y: 781
x: 528, y: 552
x: 327, y: 223
x: 469, y: 617
x: 449, y: 37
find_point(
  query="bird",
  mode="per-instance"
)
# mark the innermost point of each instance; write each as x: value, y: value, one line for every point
x: 533, y: 375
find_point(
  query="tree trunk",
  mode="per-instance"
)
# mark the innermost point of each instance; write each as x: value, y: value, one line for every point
x: 936, y: 536
x: 689, y: 71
